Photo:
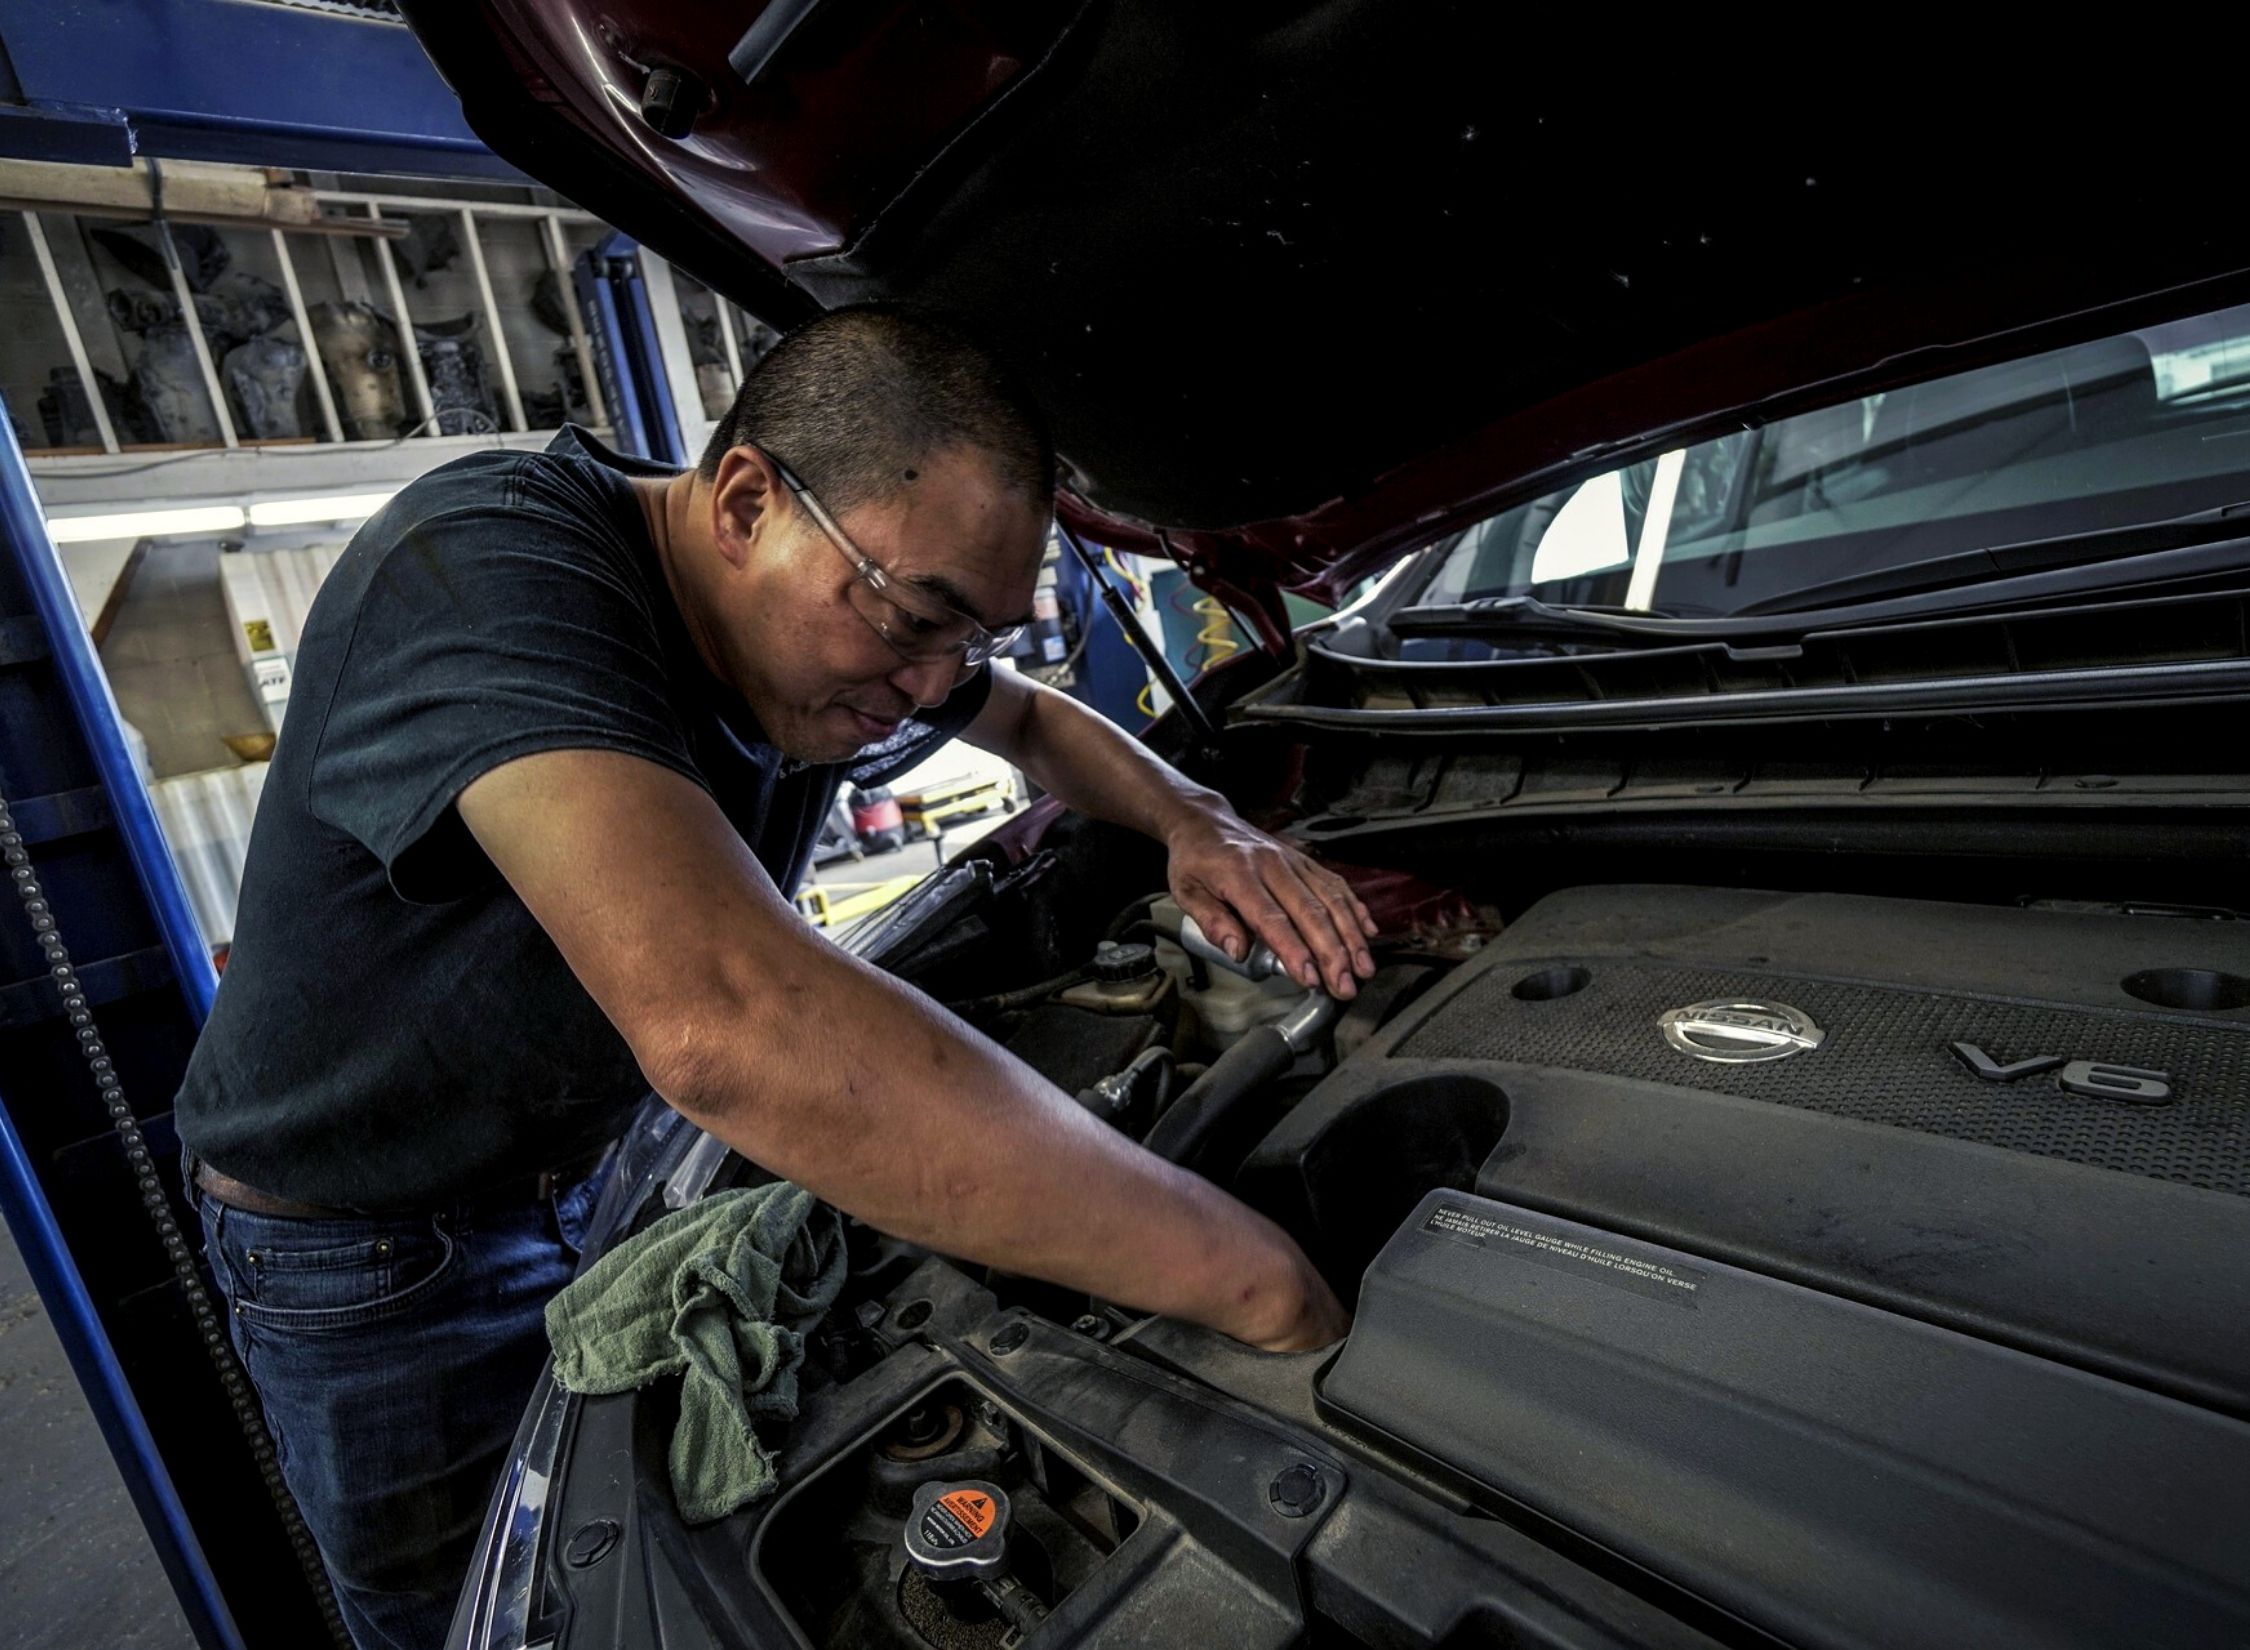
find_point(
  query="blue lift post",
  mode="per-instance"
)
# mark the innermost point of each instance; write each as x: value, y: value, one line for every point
x: 90, y: 837
x: 105, y: 82
x: 621, y: 327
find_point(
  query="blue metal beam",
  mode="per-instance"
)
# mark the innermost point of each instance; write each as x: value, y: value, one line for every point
x: 221, y: 80
x: 41, y: 725
x: 622, y: 330
x: 638, y: 323
x: 94, y: 1361
x: 101, y: 725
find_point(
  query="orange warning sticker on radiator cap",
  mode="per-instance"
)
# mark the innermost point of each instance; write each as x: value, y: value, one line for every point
x: 972, y: 1507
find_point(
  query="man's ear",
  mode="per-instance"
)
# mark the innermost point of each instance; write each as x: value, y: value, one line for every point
x: 742, y: 500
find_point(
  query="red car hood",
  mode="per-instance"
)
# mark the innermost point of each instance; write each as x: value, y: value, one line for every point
x: 1305, y: 285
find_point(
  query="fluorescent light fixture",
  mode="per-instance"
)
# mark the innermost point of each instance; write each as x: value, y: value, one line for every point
x: 139, y: 524
x: 288, y: 512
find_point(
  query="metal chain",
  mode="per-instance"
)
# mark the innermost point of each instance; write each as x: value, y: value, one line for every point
x: 210, y: 1327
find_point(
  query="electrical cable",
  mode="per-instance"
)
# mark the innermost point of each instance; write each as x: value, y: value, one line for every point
x: 210, y: 1327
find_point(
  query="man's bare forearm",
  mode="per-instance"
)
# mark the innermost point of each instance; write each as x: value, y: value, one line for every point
x: 822, y: 1069
x: 1088, y: 761
x: 891, y: 1109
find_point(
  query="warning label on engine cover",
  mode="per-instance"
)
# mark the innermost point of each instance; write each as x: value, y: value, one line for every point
x: 1659, y: 1280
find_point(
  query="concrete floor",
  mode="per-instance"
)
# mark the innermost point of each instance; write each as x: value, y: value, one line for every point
x: 915, y: 859
x: 76, y: 1568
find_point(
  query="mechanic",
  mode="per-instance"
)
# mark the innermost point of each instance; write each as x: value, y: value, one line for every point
x: 563, y: 730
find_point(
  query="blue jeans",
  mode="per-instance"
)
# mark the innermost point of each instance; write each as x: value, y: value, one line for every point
x: 393, y: 1356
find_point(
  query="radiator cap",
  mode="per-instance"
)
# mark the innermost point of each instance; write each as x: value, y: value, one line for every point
x: 958, y: 1529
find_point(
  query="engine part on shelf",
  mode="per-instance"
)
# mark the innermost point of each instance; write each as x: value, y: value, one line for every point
x: 138, y: 311
x: 67, y: 416
x: 166, y: 399
x: 564, y: 398
x: 549, y: 305
x: 265, y: 377
x: 428, y: 244
x: 168, y: 383
x: 248, y: 306
x: 237, y: 307
x: 714, y: 387
x: 359, y: 346
x: 706, y: 348
x: 460, y: 399
x: 543, y: 410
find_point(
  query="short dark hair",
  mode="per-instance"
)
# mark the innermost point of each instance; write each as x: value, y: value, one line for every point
x: 854, y: 400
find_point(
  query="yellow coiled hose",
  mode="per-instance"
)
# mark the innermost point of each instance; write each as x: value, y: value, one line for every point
x: 1214, y: 641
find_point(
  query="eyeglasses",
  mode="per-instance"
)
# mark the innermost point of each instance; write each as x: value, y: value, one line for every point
x: 917, y: 625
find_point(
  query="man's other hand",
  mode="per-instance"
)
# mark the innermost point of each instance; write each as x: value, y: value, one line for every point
x: 1238, y: 882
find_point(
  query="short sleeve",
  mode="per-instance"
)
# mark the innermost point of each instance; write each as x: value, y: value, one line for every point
x: 918, y: 736
x: 492, y: 627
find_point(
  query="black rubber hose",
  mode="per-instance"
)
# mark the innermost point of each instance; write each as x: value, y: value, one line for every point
x: 1135, y: 912
x: 1023, y: 997
x: 1212, y: 1116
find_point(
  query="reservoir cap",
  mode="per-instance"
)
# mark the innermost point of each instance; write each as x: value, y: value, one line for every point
x: 958, y: 1529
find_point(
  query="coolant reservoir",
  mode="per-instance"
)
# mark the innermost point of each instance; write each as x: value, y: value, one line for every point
x: 1126, y: 980
x: 1226, y: 1005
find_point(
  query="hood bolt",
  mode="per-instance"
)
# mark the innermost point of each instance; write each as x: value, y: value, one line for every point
x: 1297, y: 1490
x: 671, y: 102
x: 590, y: 1543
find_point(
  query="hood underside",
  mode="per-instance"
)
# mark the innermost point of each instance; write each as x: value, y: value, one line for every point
x: 1304, y: 285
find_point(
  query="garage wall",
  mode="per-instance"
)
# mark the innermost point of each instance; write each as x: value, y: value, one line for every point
x: 171, y: 661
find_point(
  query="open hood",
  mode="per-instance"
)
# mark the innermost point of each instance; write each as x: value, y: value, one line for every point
x: 1304, y: 285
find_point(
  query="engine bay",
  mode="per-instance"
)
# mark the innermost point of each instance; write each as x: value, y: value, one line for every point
x: 1729, y: 1267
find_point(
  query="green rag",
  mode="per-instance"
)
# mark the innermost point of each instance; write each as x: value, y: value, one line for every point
x: 720, y: 1294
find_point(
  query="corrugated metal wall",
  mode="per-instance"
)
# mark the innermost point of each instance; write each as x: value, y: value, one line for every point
x: 207, y: 821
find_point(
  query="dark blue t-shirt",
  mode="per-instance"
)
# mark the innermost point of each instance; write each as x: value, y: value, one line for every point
x: 393, y: 1028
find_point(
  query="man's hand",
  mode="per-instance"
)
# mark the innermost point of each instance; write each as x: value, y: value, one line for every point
x: 1235, y: 880
x: 1317, y: 1318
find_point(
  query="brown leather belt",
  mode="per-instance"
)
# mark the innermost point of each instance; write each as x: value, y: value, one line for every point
x: 236, y: 1194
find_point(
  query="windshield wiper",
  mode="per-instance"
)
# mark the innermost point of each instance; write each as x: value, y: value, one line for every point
x: 2034, y: 570
x: 1527, y: 616
x: 1963, y: 567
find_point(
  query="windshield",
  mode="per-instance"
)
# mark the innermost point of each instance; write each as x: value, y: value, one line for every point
x: 2142, y: 427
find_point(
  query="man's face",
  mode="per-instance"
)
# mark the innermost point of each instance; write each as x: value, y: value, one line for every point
x: 820, y: 679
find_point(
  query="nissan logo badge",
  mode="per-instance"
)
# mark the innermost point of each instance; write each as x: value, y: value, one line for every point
x: 1736, y: 1033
